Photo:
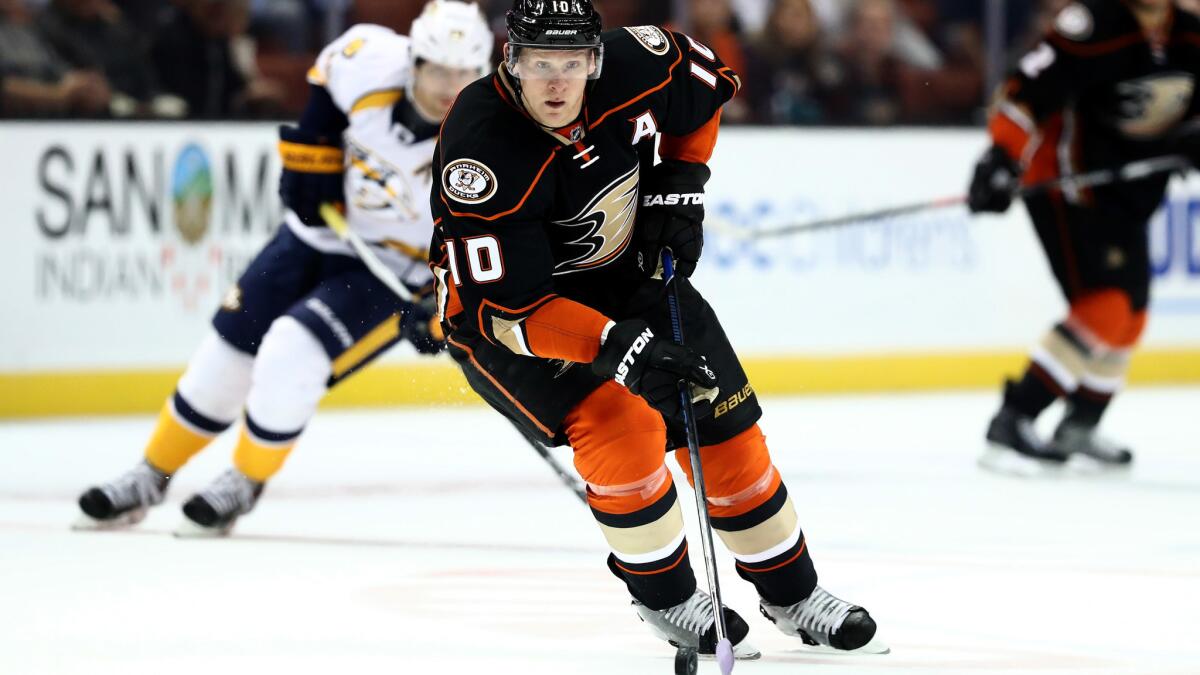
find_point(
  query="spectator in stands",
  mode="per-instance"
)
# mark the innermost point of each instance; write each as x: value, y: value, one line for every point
x: 713, y: 23
x: 204, y: 56
x: 145, y: 15
x: 884, y: 86
x: 910, y: 45
x: 35, y: 81
x: 283, y: 23
x: 790, y: 69
x: 622, y: 13
x: 94, y: 34
x: 869, y: 94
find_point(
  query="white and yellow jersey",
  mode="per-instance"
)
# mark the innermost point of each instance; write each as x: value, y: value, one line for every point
x: 389, y: 150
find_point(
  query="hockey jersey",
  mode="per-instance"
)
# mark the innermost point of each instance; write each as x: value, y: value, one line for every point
x: 1099, y: 91
x: 389, y: 150
x: 532, y: 246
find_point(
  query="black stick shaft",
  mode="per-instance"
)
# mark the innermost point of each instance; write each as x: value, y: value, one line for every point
x: 1128, y: 172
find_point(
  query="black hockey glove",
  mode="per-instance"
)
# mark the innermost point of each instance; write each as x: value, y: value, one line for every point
x: 652, y: 367
x: 672, y: 216
x: 994, y: 185
x: 417, y: 325
x: 313, y: 170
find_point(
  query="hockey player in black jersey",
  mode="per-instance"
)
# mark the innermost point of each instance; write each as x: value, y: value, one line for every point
x: 549, y: 229
x: 1113, y: 82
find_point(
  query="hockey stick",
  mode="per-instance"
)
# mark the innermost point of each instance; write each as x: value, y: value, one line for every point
x: 724, y: 646
x: 337, y: 222
x: 1124, y: 173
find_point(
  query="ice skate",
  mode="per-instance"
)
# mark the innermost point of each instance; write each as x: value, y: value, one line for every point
x: 1015, y: 448
x: 692, y: 623
x: 124, y: 501
x: 822, y: 620
x: 1079, y: 440
x: 213, y: 511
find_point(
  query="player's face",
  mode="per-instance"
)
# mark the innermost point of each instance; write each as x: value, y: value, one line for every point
x: 553, y: 82
x: 436, y: 86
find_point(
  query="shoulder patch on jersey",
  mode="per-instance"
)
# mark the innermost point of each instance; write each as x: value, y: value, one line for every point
x: 469, y: 181
x: 652, y: 38
x: 1075, y: 22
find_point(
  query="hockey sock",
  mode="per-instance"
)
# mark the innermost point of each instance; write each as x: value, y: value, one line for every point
x: 1087, y: 407
x: 1033, y: 393
x: 754, y: 517
x: 260, y: 453
x: 618, y: 441
x: 180, y: 433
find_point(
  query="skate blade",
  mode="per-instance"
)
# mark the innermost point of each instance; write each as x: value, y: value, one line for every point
x: 189, y: 529
x: 1008, y: 462
x: 86, y: 523
x: 874, y: 647
x: 1082, y: 463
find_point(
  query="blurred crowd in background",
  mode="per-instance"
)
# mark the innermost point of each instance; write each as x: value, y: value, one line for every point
x: 803, y: 62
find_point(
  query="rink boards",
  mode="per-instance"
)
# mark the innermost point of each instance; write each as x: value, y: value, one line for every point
x: 121, y: 239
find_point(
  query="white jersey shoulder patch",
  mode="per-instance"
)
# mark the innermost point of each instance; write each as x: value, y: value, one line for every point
x: 1075, y: 22
x: 366, y: 60
x: 469, y: 181
x: 652, y: 38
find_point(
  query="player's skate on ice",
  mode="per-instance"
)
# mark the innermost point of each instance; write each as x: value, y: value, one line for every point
x: 307, y: 313
x: 691, y: 623
x: 553, y: 218
x: 125, y: 500
x: 216, y: 508
x: 823, y: 620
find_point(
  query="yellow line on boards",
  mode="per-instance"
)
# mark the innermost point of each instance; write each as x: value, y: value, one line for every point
x: 40, y: 394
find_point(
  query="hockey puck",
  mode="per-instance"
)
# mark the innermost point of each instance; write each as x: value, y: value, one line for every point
x: 687, y: 661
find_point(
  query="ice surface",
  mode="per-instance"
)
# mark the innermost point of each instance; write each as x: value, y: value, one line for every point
x: 435, y: 541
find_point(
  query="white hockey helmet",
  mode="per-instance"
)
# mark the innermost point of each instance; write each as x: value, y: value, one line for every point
x: 453, y: 34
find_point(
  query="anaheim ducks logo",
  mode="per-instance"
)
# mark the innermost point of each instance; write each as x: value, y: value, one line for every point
x: 652, y: 38
x: 608, y: 220
x: 469, y: 181
x: 1153, y: 105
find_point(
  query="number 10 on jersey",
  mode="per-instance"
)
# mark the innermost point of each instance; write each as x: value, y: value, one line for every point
x: 484, y: 261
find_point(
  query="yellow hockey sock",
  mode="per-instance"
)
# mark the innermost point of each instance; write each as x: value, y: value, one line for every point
x: 172, y: 444
x: 259, y: 460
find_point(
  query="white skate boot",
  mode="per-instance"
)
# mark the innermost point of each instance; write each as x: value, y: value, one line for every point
x: 692, y: 623
x: 213, y: 511
x: 124, y: 501
x: 824, y: 620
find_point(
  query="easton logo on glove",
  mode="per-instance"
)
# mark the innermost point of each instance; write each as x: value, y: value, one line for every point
x: 636, y: 348
x: 692, y: 199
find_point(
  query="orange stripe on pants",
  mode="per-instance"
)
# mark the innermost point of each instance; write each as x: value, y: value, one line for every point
x: 619, y: 443
x: 738, y: 473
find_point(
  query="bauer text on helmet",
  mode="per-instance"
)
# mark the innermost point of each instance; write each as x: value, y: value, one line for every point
x: 542, y: 26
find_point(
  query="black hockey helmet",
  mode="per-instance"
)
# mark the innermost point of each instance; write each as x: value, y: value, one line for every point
x: 553, y: 24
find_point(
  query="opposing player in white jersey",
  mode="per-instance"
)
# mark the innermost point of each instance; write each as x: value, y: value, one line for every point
x: 306, y: 313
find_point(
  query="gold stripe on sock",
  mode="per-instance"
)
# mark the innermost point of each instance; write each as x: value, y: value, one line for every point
x: 172, y: 444
x: 259, y: 461
x: 764, y: 536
